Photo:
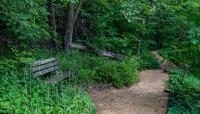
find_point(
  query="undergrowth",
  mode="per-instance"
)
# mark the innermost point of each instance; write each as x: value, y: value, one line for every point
x: 24, y: 96
x: 119, y: 74
x: 21, y: 94
x: 148, y: 61
x: 184, y: 91
x: 183, y: 58
x: 90, y: 69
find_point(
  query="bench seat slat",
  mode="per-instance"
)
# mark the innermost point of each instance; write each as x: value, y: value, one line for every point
x: 42, y: 72
x: 45, y: 66
x: 60, y: 78
x: 42, y: 62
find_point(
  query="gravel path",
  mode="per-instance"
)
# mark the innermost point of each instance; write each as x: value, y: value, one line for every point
x: 146, y: 97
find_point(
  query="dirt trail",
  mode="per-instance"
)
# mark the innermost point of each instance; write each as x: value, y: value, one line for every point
x: 146, y: 97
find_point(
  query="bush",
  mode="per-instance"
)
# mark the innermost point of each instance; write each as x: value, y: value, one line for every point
x: 182, y: 57
x: 118, y: 73
x: 148, y: 61
x: 185, y: 93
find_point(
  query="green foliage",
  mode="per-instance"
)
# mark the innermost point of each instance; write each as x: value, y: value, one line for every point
x: 121, y: 44
x: 103, y: 31
x: 91, y: 69
x: 119, y: 74
x: 186, y: 49
x: 21, y: 94
x: 185, y: 93
x: 148, y: 61
x: 82, y: 65
x: 27, y: 20
x: 18, y: 59
x: 112, y: 25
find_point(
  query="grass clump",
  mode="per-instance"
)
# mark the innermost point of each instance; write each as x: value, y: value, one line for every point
x: 184, y: 91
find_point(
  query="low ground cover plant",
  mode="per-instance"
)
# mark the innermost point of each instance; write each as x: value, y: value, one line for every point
x: 184, y: 91
x: 20, y: 94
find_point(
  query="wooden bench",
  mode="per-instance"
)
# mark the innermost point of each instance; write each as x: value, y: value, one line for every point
x: 51, y: 67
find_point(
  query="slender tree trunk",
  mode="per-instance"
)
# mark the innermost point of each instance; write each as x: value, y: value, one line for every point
x: 69, y: 28
x: 142, y: 34
x: 139, y: 45
x: 71, y: 19
x: 52, y: 22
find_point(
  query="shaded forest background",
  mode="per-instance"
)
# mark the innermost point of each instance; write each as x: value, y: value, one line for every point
x: 38, y: 29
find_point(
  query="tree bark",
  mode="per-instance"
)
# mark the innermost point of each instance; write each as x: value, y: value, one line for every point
x: 142, y: 34
x: 52, y: 23
x: 69, y: 28
x: 71, y: 19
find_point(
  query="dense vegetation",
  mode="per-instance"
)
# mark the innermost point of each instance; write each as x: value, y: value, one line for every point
x: 185, y: 93
x: 39, y: 29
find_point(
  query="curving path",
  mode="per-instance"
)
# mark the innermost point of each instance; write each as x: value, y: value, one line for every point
x: 147, y: 97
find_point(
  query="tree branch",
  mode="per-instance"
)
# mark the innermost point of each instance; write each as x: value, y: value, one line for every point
x: 77, y: 12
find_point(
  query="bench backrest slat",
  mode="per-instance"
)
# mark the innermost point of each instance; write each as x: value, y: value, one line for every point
x: 41, y: 62
x: 42, y: 67
x: 42, y: 72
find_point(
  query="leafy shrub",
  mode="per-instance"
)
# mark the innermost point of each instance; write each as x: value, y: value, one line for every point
x: 25, y: 19
x: 182, y: 52
x: 6, y: 65
x: 185, y: 93
x: 118, y: 73
x: 122, y: 45
x: 20, y: 94
x: 148, y: 61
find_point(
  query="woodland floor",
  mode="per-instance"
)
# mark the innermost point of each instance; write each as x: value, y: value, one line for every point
x: 146, y: 97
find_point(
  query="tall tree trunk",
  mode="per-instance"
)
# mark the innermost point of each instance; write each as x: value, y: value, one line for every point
x: 142, y: 34
x: 52, y: 22
x: 71, y: 19
x: 69, y: 28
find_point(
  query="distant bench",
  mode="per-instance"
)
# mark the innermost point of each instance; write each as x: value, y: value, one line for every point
x: 48, y: 66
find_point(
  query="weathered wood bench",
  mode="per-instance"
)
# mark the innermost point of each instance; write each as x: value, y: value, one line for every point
x: 51, y: 67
